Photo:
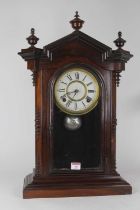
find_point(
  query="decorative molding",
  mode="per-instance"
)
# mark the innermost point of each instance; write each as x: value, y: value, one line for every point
x: 34, y: 77
x: 116, y: 77
x: 114, y: 124
x: 38, y: 165
x: 37, y: 124
x: 119, y: 55
x: 37, y: 134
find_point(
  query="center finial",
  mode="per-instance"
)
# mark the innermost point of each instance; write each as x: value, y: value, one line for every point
x: 76, y: 14
x: 76, y: 23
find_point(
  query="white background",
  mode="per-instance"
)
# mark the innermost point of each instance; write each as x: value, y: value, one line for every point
x: 51, y: 18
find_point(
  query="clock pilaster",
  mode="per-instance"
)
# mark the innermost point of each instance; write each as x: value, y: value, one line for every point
x: 31, y: 55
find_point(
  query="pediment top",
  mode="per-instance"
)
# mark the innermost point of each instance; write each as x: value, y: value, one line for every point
x: 79, y: 36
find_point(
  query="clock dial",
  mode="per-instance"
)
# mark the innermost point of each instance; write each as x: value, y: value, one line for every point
x: 76, y: 91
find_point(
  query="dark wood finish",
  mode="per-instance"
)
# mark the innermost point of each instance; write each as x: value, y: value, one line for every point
x: 98, y: 187
x: 80, y: 50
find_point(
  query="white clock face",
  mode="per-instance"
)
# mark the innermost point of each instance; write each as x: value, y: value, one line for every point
x: 76, y: 91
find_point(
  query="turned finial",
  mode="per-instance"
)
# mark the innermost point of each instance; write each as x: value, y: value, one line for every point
x: 119, y: 42
x: 32, y: 39
x: 77, y: 23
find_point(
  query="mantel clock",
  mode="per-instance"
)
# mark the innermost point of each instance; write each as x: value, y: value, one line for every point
x: 75, y: 81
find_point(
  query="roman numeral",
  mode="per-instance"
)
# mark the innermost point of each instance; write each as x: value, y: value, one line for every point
x: 77, y: 75
x: 61, y: 90
x: 75, y: 106
x: 69, y: 77
x: 68, y: 103
x: 63, y: 98
x: 63, y: 82
x: 91, y: 91
x: 89, y: 83
x: 88, y: 99
x: 83, y: 104
x: 84, y: 77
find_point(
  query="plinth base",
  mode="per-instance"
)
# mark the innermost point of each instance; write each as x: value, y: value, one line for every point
x: 104, y: 186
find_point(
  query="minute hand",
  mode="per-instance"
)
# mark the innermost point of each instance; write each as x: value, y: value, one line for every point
x: 68, y: 93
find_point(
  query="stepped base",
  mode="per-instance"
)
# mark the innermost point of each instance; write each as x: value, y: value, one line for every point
x: 107, y: 186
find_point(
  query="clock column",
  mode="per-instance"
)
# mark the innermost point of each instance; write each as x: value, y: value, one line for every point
x: 116, y: 61
x: 32, y: 56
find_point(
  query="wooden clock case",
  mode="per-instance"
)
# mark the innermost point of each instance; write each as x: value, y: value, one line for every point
x: 52, y: 176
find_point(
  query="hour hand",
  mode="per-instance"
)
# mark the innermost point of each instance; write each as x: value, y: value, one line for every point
x: 68, y: 93
x: 75, y: 92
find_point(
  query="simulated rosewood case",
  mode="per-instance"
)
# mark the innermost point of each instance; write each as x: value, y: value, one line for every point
x: 94, y: 143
